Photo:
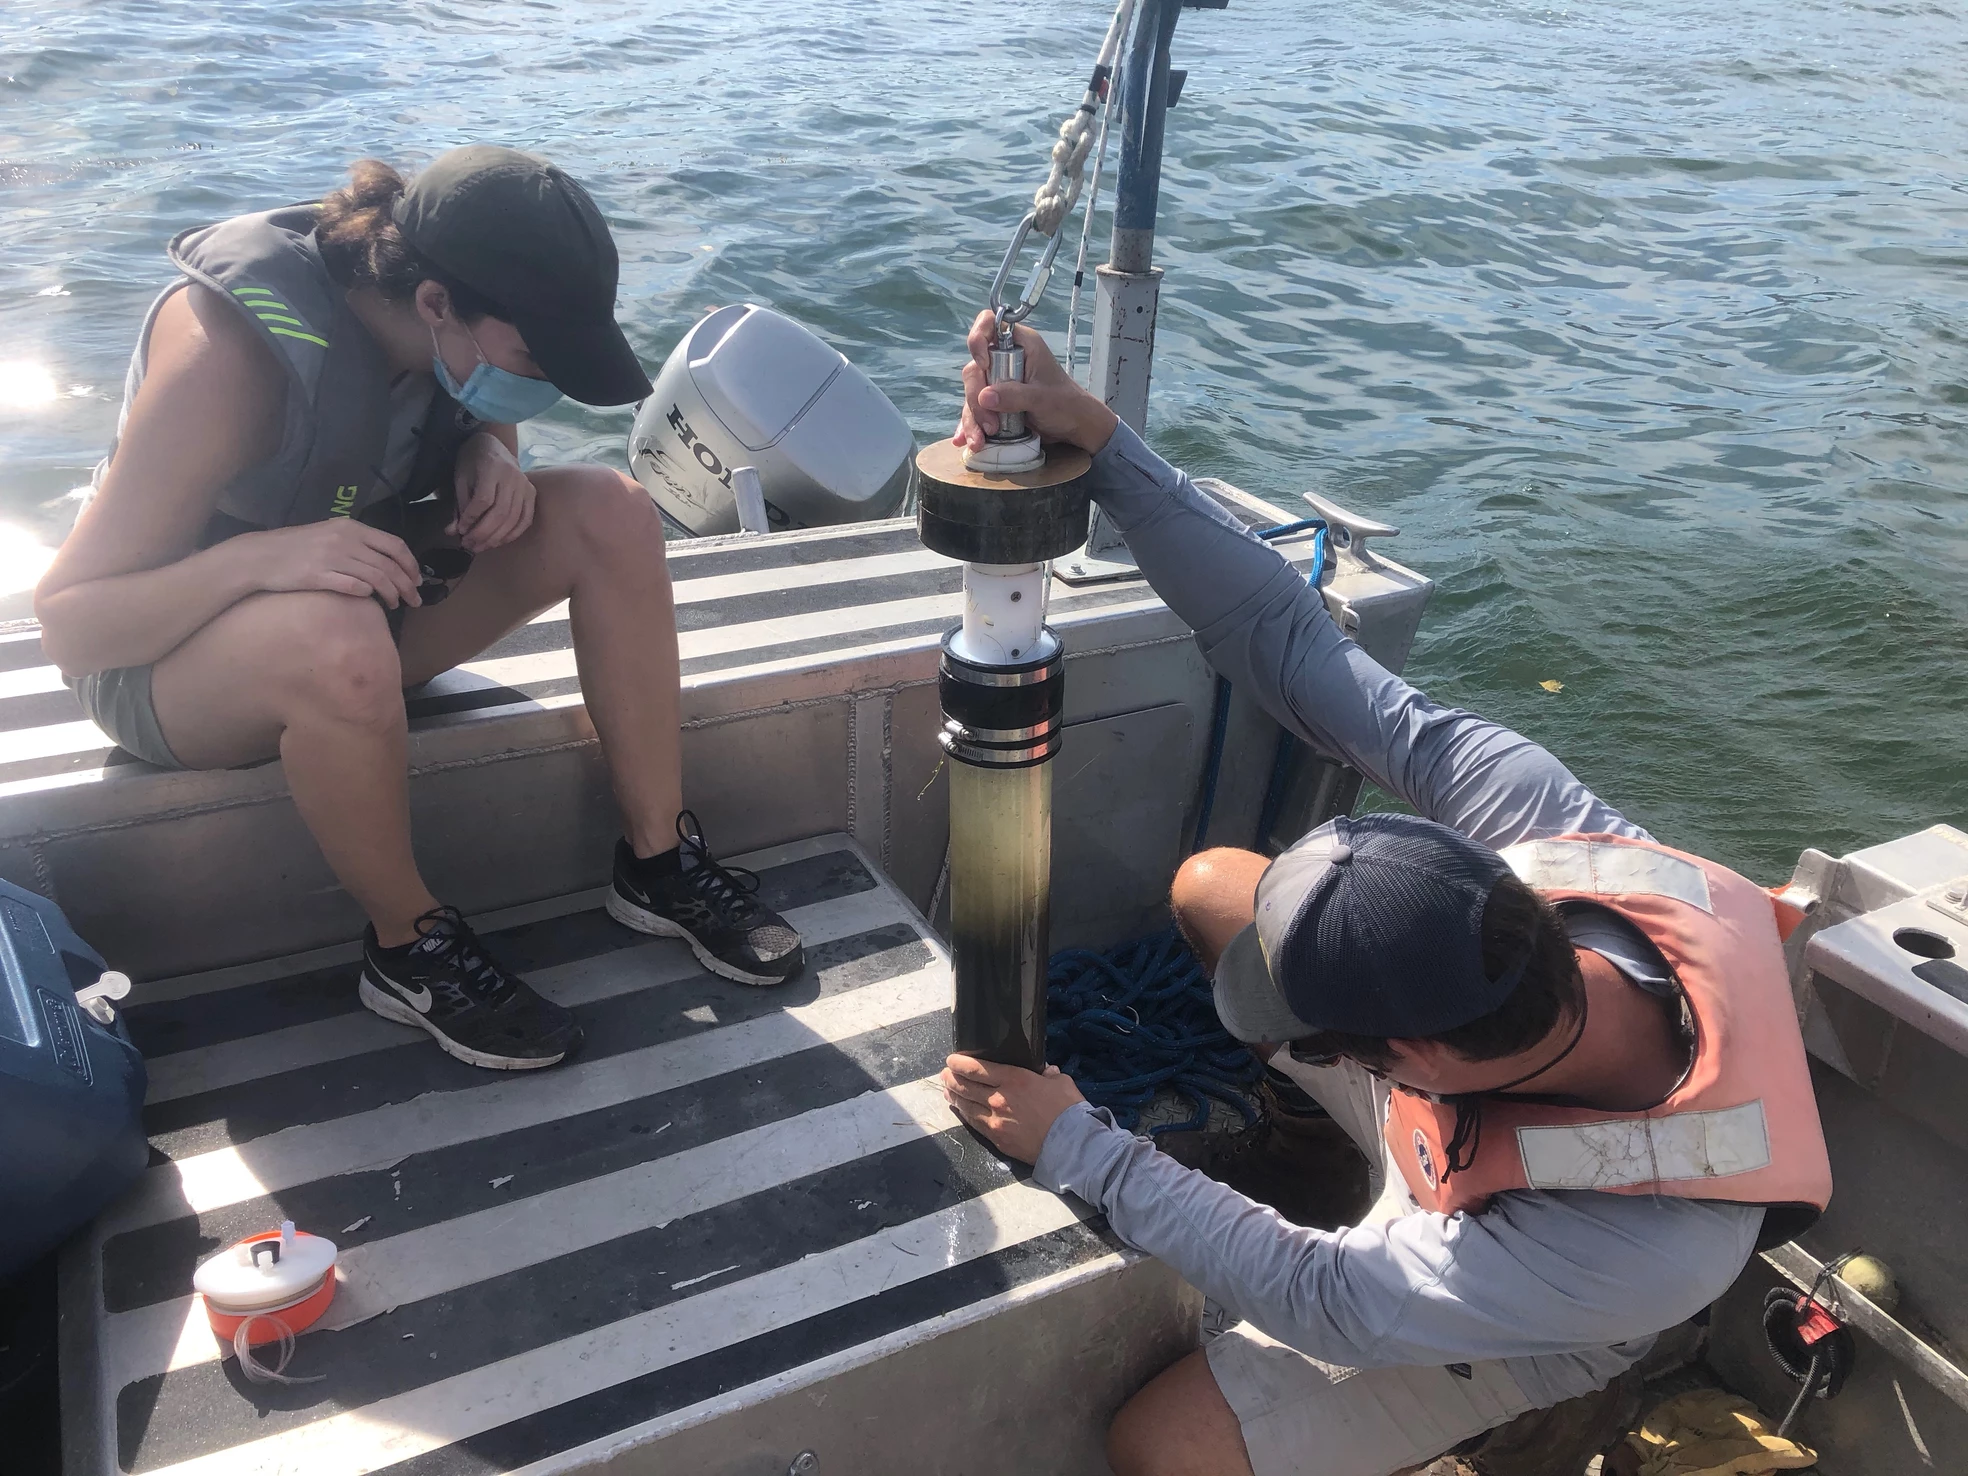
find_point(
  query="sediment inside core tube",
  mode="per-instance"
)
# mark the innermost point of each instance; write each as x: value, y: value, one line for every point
x: 1000, y: 893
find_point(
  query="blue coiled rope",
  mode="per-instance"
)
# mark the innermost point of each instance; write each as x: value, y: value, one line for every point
x: 1140, y: 1020
x: 1131, y: 1023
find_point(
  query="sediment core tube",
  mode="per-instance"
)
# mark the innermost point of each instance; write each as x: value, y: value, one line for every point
x: 1002, y: 684
x: 1000, y: 886
x: 1001, y: 729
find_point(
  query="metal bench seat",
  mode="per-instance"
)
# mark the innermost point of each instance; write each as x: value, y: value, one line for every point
x: 796, y: 650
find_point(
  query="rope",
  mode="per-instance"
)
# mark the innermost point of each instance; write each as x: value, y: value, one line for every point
x: 1139, y: 1020
x: 1055, y: 199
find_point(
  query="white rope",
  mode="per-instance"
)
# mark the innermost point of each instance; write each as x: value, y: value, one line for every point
x: 1056, y: 197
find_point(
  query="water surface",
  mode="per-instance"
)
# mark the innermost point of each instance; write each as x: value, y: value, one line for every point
x: 1646, y: 324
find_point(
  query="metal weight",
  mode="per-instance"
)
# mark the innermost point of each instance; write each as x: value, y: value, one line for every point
x: 1001, y: 518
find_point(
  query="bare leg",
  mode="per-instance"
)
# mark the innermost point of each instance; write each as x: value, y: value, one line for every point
x: 1214, y: 899
x: 313, y: 678
x: 1178, y: 1425
x: 597, y: 542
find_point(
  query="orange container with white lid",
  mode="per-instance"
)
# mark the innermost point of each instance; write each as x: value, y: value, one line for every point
x: 285, y: 1278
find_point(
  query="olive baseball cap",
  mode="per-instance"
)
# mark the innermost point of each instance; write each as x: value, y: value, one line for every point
x: 516, y: 229
x: 1370, y: 926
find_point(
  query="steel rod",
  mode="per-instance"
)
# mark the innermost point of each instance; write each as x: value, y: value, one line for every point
x: 1144, y: 107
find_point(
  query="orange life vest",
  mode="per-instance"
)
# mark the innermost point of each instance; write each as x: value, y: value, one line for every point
x: 1743, y: 1124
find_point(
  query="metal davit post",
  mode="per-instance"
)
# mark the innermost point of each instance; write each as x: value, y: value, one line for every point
x: 1128, y: 288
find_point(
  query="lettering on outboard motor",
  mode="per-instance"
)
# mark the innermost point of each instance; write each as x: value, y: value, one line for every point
x: 659, y: 468
x: 706, y: 457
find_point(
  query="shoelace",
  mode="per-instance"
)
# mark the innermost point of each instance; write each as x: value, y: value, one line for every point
x: 463, y: 948
x: 725, y: 887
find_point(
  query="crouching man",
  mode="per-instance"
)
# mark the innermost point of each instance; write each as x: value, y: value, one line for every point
x: 1568, y: 1050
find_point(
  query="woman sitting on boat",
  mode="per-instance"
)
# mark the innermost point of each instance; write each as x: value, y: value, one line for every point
x: 315, y: 501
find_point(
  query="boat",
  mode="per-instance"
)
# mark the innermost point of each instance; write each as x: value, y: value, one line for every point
x: 741, y: 1233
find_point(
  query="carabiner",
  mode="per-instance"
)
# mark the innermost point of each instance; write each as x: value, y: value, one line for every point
x: 1035, y: 285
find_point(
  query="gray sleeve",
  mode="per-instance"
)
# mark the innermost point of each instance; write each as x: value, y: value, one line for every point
x: 1261, y: 626
x: 1537, y: 1274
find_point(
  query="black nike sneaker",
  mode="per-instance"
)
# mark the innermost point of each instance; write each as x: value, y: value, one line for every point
x: 689, y: 894
x: 447, y: 984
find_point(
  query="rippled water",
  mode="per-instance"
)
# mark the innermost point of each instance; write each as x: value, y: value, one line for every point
x: 1649, y: 324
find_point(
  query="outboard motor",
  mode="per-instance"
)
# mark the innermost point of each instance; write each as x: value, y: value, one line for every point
x: 71, y: 1083
x: 750, y: 387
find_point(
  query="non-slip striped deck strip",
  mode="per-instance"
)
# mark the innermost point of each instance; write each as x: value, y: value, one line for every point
x: 728, y: 1183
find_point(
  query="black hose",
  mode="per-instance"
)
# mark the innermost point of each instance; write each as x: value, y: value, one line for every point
x: 1807, y: 1391
x: 1821, y: 1368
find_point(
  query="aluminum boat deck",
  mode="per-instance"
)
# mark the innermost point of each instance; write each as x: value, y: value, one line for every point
x: 731, y: 1192
x: 741, y: 1224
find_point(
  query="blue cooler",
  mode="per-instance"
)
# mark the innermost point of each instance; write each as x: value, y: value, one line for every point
x: 71, y: 1086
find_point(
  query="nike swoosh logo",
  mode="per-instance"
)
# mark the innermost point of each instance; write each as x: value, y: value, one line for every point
x: 420, y: 1000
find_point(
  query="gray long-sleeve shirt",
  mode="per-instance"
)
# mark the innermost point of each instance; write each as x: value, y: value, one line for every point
x: 1566, y: 1286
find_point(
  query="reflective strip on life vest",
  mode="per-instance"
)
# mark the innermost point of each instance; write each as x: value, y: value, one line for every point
x: 1644, y: 1150
x: 295, y: 333
x: 259, y: 300
x: 1599, y: 869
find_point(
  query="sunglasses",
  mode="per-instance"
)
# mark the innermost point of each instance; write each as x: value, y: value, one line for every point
x: 439, y: 567
x: 1312, y: 1052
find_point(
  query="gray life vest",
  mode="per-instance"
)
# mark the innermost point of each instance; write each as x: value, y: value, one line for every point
x: 333, y: 443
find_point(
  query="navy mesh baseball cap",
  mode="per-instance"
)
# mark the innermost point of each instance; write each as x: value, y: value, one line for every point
x: 1371, y: 926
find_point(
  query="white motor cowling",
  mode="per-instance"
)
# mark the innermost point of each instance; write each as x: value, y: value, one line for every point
x: 750, y: 387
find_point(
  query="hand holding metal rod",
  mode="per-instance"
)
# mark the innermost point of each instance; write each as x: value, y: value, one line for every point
x: 1007, y: 358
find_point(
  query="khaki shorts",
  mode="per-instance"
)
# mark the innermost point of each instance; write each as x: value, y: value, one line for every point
x: 1302, y: 1417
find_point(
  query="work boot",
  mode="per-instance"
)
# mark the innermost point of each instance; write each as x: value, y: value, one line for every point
x: 1294, y: 1158
x: 689, y: 894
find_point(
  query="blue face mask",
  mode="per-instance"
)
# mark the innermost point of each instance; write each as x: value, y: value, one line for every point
x: 494, y: 395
